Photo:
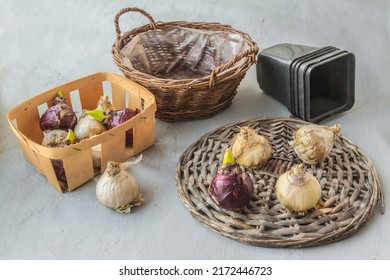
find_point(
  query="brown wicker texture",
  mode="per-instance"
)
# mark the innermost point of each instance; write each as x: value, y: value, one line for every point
x: 183, y: 99
x: 349, y: 182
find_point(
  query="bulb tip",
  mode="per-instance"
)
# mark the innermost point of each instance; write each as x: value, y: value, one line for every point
x: 228, y: 157
x: 336, y: 128
x: 70, y: 136
x: 297, y: 170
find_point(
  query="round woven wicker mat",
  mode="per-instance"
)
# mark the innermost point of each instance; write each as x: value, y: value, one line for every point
x: 350, y: 189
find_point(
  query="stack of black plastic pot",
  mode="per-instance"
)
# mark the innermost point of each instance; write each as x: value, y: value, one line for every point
x: 314, y: 83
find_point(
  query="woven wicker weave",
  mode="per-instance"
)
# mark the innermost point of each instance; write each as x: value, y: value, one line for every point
x: 183, y: 99
x: 350, y: 190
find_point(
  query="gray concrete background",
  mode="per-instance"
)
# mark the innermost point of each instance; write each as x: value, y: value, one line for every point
x: 46, y: 43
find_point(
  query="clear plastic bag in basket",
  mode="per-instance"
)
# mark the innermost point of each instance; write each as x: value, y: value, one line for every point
x: 181, y: 53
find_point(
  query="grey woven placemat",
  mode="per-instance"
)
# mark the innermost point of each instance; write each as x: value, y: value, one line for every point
x: 349, y: 181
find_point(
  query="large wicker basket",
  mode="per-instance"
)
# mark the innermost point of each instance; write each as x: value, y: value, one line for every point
x: 183, y: 99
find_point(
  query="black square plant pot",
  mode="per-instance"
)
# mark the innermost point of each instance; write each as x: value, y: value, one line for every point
x: 313, y: 83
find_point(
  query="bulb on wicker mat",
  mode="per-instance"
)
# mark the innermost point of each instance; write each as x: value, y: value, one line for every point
x: 298, y: 190
x: 230, y: 188
x: 117, y: 188
x: 251, y: 149
x: 313, y: 143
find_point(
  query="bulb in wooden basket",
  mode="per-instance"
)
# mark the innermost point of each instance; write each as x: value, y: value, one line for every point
x: 251, y: 149
x: 58, y: 139
x: 90, y: 124
x: 117, y: 188
x: 116, y: 116
x: 58, y: 116
x: 312, y: 143
x: 298, y: 190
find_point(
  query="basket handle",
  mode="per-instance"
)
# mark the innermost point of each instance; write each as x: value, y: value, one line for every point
x: 131, y: 9
x: 251, y: 52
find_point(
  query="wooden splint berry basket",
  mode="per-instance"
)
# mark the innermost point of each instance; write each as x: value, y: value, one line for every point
x: 77, y: 158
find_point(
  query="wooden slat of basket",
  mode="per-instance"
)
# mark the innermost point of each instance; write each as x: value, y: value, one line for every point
x: 143, y: 134
x: 113, y: 149
x: 350, y: 190
x: 75, y: 175
x: 45, y: 164
x: 118, y: 96
x: 134, y: 101
x: 30, y: 155
x: 23, y: 122
x: 89, y: 95
x: 149, y: 100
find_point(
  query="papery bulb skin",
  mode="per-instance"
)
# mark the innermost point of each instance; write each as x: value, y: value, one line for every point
x: 118, y: 189
x: 57, y: 139
x: 251, y: 149
x: 105, y: 104
x: 88, y: 127
x: 53, y: 138
x: 118, y: 117
x: 297, y: 190
x: 230, y: 189
x: 58, y: 116
x: 312, y: 143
